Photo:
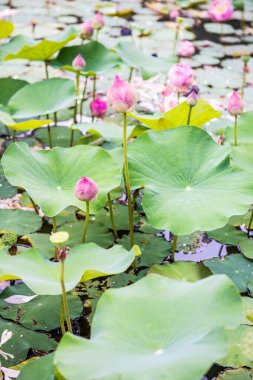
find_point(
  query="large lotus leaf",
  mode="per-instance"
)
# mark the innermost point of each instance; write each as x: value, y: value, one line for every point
x: 9, y: 87
x: 28, y: 125
x: 22, y: 340
x: 236, y: 266
x: 189, y: 182
x: 98, y: 59
x: 34, y: 314
x: 84, y: 262
x: 137, y: 59
x: 42, y: 98
x: 6, y: 190
x: 49, y: 177
x: 6, y: 28
x: 143, y: 331
x: 201, y: 114
x: 42, y: 368
x: 242, y: 157
x: 14, y: 45
x: 182, y: 270
x: 19, y: 221
x: 45, y: 49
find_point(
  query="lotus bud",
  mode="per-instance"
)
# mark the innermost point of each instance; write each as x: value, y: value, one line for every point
x: 79, y: 62
x: 235, y: 104
x: 98, y: 107
x: 221, y: 10
x: 186, y: 49
x: 245, y: 58
x: 121, y: 96
x: 192, y: 96
x: 86, y: 190
x: 86, y: 29
x: 98, y: 21
x: 59, y: 237
x: 181, y: 75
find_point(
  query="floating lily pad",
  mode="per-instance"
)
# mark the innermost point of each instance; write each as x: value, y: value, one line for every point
x: 19, y: 221
x: 97, y: 57
x: 182, y: 270
x: 34, y: 314
x: 189, y: 182
x: 201, y: 114
x: 31, y: 101
x: 219, y: 28
x: 84, y: 262
x: 152, y: 316
x: 49, y: 177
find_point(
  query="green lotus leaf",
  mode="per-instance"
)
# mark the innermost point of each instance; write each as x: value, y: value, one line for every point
x: 5, y: 118
x: 182, y: 270
x: 189, y: 182
x: 6, y: 28
x: 42, y: 366
x: 19, y: 221
x: 31, y: 101
x: 6, y: 190
x: 28, y: 125
x: 9, y: 87
x: 60, y: 136
x: 236, y: 266
x: 97, y: 57
x: 45, y: 49
x: 14, y: 45
x: 84, y: 262
x: 143, y: 331
x: 49, y: 177
x: 236, y: 374
x: 177, y: 116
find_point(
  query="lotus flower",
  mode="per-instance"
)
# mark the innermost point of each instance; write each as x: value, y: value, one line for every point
x: 221, y: 10
x: 235, y: 104
x: 98, y: 107
x: 86, y: 190
x: 181, y: 75
x: 79, y: 62
x: 98, y: 21
x: 86, y: 29
x: 186, y: 49
x: 121, y: 96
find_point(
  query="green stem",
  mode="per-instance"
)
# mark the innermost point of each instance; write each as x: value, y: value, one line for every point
x: 94, y: 87
x: 62, y: 319
x: 64, y: 298
x: 34, y: 206
x: 7, y: 131
x: 178, y: 98
x: 173, y: 249
x: 77, y: 96
x: 189, y: 115
x: 127, y: 182
x: 175, y: 41
x: 54, y: 224
x: 55, y: 119
x: 250, y: 222
x: 235, y: 131
x: 14, y: 136
x: 97, y: 34
x: 46, y: 63
x: 49, y: 135
x: 87, y: 218
x: 130, y: 74
x: 83, y: 96
x: 112, y: 217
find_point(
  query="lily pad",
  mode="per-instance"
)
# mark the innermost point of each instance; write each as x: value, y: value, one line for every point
x: 19, y: 221
x: 42, y: 368
x: 49, y: 177
x: 84, y: 262
x: 189, y: 182
x: 6, y: 28
x: 31, y: 101
x: 152, y: 316
x: 200, y: 115
x: 182, y: 270
x: 97, y: 57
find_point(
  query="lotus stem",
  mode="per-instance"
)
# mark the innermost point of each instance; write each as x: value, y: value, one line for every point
x: 87, y: 218
x: 55, y: 119
x: 34, y: 206
x: 127, y: 182
x: 77, y: 96
x: 62, y: 319
x: 235, y: 131
x: 14, y: 136
x: 94, y: 86
x: 97, y: 34
x: 64, y: 297
x: 189, y: 115
x: 112, y: 216
x: 178, y: 98
x: 130, y: 74
x: 250, y: 222
x: 82, y: 100
x: 173, y: 249
x: 54, y: 224
x: 49, y: 135
x: 7, y: 131
x: 46, y: 63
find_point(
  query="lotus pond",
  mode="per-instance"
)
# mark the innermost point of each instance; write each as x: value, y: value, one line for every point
x: 126, y: 193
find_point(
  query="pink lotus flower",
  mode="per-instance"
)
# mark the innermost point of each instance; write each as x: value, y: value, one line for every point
x: 186, y: 49
x: 221, y: 10
x: 121, y: 96
x: 86, y: 190
x: 174, y: 14
x: 98, y: 21
x: 98, y: 107
x: 169, y: 102
x: 79, y: 62
x: 235, y: 104
x: 181, y: 75
x: 86, y: 29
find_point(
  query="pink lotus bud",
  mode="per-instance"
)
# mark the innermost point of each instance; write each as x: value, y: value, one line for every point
x: 86, y: 29
x: 186, y: 49
x: 86, y: 190
x: 174, y: 14
x: 98, y: 21
x: 181, y: 75
x: 235, y: 104
x: 246, y: 69
x: 221, y: 10
x: 192, y: 96
x: 98, y: 107
x: 79, y: 62
x: 121, y: 96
